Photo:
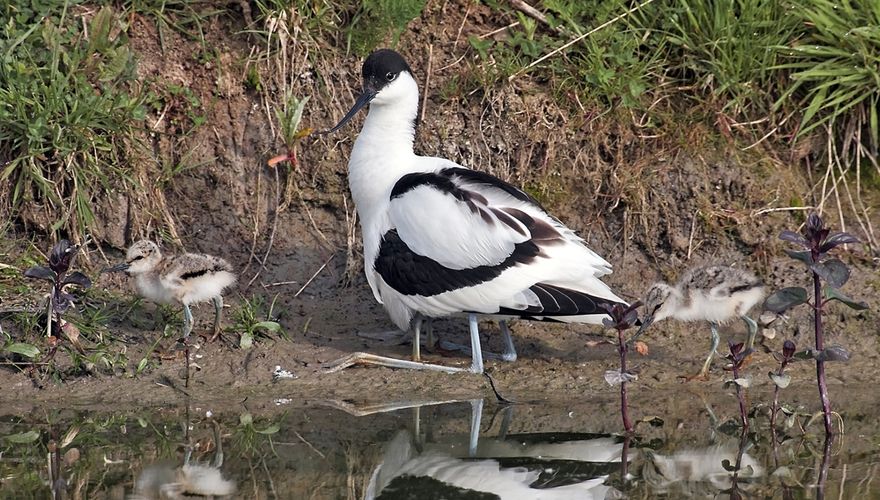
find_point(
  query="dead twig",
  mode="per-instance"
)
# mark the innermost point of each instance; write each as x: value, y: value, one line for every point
x: 272, y: 232
x: 427, y: 82
x: 279, y: 283
x: 317, y: 451
x: 307, y: 283
x: 530, y: 11
x: 467, y: 12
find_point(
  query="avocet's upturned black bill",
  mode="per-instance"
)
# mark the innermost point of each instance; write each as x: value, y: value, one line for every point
x: 444, y: 240
x: 381, y: 68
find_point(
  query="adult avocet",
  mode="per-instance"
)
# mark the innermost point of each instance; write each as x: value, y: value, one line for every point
x: 441, y: 239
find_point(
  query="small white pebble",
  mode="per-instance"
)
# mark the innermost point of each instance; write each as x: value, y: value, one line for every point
x: 280, y: 373
x: 209, y: 414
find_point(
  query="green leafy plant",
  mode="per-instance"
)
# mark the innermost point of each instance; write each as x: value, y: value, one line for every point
x: 378, y: 19
x: 834, y: 65
x: 186, y: 17
x: 249, y: 323
x: 723, y: 48
x: 67, y: 111
x: 815, y: 242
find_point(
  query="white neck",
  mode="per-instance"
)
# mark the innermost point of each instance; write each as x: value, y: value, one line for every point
x: 383, y: 151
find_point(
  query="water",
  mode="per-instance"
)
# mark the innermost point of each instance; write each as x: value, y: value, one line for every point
x: 470, y: 449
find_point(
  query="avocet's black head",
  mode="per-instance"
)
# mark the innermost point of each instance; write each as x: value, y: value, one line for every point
x: 381, y: 71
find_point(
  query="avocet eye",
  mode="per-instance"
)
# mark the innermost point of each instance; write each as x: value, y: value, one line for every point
x: 390, y: 76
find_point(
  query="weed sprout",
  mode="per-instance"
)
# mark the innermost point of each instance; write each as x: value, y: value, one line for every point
x: 56, y: 272
x: 817, y: 241
x: 737, y: 357
x: 622, y: 318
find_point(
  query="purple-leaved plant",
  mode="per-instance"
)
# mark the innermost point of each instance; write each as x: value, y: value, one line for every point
x: 816, y: 241
x: 56, y: 272
x: 622, y: 319
x: 779, y: 377
x: 737, y: 358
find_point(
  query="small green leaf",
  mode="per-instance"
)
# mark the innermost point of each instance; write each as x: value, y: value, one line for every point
x: 271, y: 326
x: 272, y: 429
x: 781, y: 381
x: 832, y: 293
x: 27, y: 350
x: 142, y: 365
x: 246, y: 341
x: 246, y: 419
x: 22, y: 437
x: 783, y: 300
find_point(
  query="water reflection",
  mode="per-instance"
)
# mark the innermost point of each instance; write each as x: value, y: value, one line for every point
x: 528, y: 466
x: 420, y: 449
x: 696, y: 472
x: 167, y: 480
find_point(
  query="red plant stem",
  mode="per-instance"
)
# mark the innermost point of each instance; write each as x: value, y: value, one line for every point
x: 624, y: 412
x: 743, y: 414
x: 820, y: 345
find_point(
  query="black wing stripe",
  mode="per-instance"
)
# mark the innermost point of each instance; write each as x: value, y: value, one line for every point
x: 439, y: 182
x: 748, y: 286
x: 412, y: 274
x: 559, y: 301
x: 195, y: 274
x: 490, y: 180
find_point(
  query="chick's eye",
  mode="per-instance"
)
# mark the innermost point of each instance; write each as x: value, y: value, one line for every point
x: 390, y: 76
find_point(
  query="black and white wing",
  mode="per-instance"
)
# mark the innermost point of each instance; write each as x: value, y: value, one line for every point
x: 461, y: 240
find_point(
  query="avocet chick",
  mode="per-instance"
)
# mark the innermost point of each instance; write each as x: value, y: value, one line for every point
x: 716, y: 294
x: 185, y: 279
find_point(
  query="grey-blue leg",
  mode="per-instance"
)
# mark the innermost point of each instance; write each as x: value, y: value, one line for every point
x: 476, y: 417
x: 476, y: 351
x: 715, y: 341
x: 753, y: 330
x: 509, y: 353
x: 429, y: 333
x: 187, y: 321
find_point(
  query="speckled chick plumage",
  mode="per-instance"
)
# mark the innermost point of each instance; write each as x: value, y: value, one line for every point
x: 716, y: 294
x: 187, y: 278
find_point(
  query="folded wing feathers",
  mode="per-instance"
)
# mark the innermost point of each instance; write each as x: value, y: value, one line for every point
x: 502, y: 196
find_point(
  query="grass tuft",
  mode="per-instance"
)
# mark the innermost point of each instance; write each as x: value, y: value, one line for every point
x: 68, y: 106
